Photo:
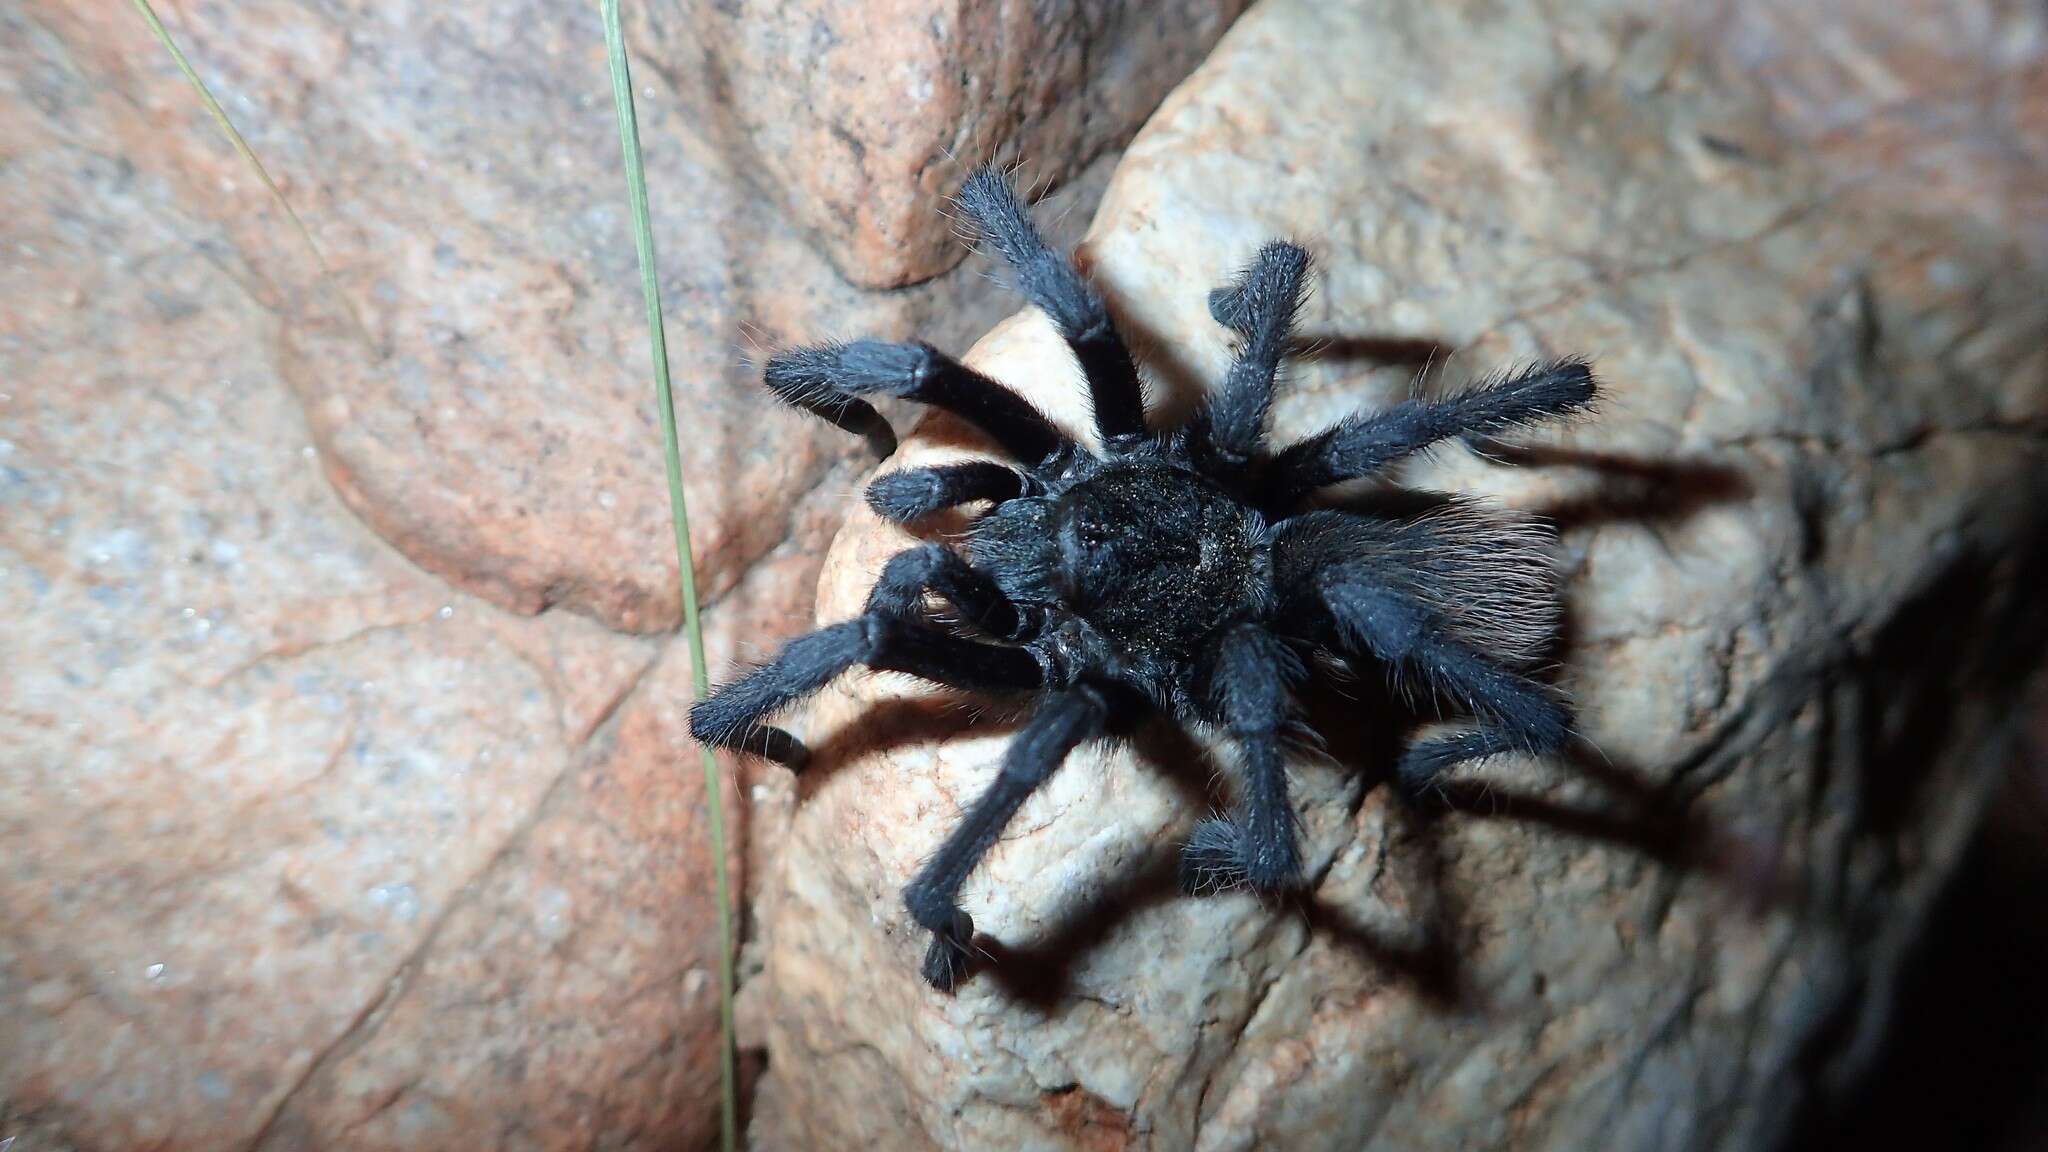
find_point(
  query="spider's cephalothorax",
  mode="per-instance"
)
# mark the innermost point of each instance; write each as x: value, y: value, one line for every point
x: 1176, y: 573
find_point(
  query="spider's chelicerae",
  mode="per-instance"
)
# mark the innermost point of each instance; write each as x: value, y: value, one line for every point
x: 1174, y: 572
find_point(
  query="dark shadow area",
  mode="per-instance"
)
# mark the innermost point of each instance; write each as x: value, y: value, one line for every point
x: 1041, y: 972
x: 1631, y: 488
x: 1954, y: 1054
x: 886, y: 724
x: 1965, y: 1068
x: 1420, y: 352
x: 1430, y: 966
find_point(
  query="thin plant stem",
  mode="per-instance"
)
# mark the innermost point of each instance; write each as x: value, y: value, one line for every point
x: 679, y: 515
x: 227, y: 127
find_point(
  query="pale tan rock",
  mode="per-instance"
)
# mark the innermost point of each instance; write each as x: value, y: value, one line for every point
x: 861, y: 119
x: 1800, y: 539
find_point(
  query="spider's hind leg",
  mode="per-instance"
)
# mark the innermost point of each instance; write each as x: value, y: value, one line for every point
x: 1514, y: 713
x: 933, y: 897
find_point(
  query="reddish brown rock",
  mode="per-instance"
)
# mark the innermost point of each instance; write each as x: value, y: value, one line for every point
x: 491, y: 418
x: 303, y: 847
x: 1801, y: 539
x: 860, y: 119
x: 570, y: 1000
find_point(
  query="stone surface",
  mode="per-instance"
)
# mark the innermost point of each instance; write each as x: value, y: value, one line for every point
x: 1801, y: 542
x: 862, y: 118
x: 321, y: 831
x: 303, y: 848
x: 459, y: 168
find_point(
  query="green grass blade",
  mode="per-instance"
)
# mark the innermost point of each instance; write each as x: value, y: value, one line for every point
x: 220, y: 117
x: 643, y: 243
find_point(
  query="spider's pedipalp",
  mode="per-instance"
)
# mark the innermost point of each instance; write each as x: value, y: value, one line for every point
x: 1362, y: 445
x: 731, y: 716
x: 933, y: 897
x: 914, y: 493
x: 1052, y: 283
x: 933, y: 568
x: 828, y: 379
x: 1260, y: 305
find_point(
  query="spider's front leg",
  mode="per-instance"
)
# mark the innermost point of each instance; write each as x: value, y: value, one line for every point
x: 1257, y: 845
x: 828, y: 381
x: 1259, y: 305
x: 1052, y: 283
x: 933, y: 898
x: 890, y: 637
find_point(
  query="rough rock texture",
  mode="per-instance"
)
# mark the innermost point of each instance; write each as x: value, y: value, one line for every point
x: 1803, y: 541
x: 459, y: 169
x: 299, y: 840
x: 317, y: 831
x: 862, y: 117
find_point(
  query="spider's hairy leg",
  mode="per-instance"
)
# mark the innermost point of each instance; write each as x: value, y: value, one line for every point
x: 1514, y: 713
x: 1257, y: 845
x: 1052, y: 283
x: 933, y: 897
x: 731, y: 716
x: 1363, y: 444
x: 935, y: 568
x: 828, y: 379
x: 1260, y: 305
x: 914, y: 493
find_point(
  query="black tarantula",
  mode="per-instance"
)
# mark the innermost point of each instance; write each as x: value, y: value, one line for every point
x: 1174, y: 572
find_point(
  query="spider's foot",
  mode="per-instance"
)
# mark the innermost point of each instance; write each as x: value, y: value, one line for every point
x: 713, y: 721
x: 945, y: 959
x: 1422, y: 767
x: 1227, y: 307
x: 1222, y: 856
x: 1214, y: 859
x: 777, y: 745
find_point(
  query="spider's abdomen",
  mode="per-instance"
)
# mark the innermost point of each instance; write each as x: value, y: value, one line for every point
x: 1156, y: 557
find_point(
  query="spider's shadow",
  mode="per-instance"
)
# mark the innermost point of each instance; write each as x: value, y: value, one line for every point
x: 1042, y: 973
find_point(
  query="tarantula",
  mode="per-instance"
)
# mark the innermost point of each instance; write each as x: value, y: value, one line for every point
x: 1173, y: 573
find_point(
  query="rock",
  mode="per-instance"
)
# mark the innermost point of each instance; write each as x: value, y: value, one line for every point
x: 321, y: 829
x: 1801, y: 542
x: 303, y: 847
x: 861, y: 119
x: 491, y: 416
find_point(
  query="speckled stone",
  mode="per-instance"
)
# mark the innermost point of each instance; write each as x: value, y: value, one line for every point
x: 490, y: 415
x: 300, y: 847
x: 1801, y: 542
